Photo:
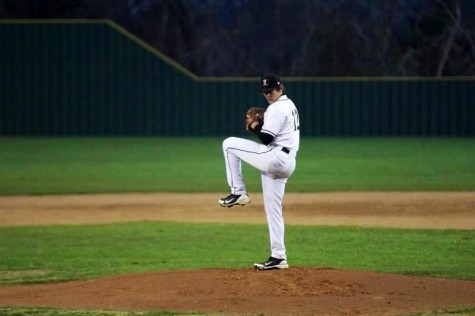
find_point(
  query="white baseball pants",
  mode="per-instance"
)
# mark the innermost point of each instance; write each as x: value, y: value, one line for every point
x: 275, y: 166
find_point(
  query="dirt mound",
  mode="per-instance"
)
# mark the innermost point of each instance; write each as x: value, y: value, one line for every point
x: 296, y: 291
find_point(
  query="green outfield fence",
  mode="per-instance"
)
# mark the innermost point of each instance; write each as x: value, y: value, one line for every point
x: 93, y: 78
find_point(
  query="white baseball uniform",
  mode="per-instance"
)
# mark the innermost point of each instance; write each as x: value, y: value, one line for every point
x: 276, y: 162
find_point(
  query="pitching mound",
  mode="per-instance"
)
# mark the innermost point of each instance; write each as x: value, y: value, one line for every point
x: 296, y: 291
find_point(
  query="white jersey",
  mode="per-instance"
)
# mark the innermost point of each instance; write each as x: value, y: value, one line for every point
x: 281, y: 120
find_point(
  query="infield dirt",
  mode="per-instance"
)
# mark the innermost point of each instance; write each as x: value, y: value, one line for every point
x: 296, y: 291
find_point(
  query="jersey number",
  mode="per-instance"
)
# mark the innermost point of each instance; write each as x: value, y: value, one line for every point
x: 295, y: 114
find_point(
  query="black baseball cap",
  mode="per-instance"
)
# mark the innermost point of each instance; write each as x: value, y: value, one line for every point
x: 269, y: 82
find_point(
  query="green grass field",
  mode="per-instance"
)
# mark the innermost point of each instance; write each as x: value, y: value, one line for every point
x: 95, y: 165
x: 72, y: 252
x: 98, y: 165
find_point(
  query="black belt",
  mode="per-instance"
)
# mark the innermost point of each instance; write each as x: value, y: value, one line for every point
x: 285, y: 150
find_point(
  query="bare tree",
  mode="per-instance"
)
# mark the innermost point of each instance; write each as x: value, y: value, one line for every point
x: 441, y: 45
x: 292, y: 37
x: 455, y: 29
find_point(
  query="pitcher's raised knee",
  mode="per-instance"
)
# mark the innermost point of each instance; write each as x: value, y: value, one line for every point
x: 228, y: 142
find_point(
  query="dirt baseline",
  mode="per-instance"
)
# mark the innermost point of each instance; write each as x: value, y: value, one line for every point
x: 296, y: 291
x: 439, y: 210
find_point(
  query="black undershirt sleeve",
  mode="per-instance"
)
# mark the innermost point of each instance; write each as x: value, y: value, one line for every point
x: 265, y: 138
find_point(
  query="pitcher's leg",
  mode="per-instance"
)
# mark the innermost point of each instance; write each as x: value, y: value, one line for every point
x: 236, y: 150
x: 234, y: 173
x: 273, y: 193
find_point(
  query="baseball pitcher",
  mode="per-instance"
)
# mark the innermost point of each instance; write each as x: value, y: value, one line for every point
x: 278, y: 130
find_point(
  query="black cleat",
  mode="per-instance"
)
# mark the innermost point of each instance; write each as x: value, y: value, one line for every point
x: 271, y: 263
x: 234, y: 199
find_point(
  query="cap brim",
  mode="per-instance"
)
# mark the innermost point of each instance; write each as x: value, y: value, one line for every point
x: 267, y: 89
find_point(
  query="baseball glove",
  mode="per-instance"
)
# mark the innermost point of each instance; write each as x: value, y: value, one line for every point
x: 254, y: 114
